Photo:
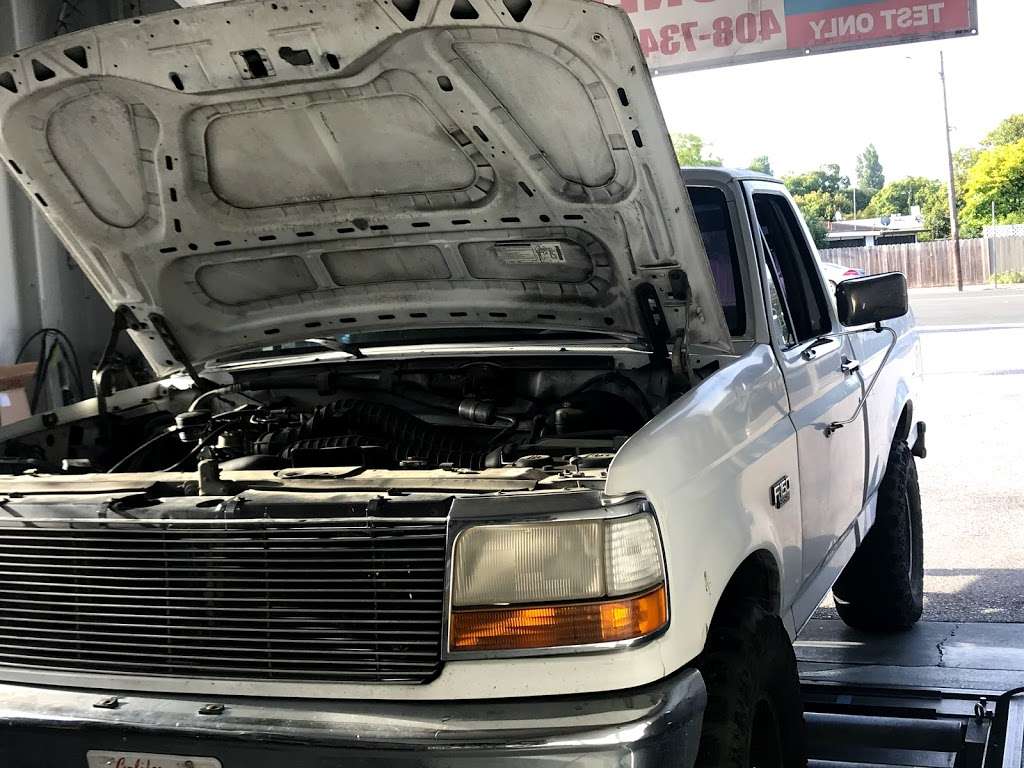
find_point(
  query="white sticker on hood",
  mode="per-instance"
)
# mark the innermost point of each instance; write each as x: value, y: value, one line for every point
x: 531, y: 253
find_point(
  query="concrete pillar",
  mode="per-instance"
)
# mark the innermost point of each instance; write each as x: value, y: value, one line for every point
x: 40, y: 285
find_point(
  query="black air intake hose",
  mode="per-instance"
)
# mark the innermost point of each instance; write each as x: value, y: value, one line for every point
x: 406, y: 436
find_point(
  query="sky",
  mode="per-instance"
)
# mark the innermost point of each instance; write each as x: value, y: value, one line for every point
x: 805, y: 112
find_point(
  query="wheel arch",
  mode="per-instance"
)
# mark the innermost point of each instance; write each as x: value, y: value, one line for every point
x: 905, y: 422
x: 757, y: 578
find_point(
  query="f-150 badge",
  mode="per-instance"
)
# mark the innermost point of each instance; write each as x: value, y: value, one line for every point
x: 780, y: 492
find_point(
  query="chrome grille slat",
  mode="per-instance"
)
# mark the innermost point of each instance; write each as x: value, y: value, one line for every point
x: 115, y: 667
x: 221, y: 589
x: 358, y: 606
x: 255, y: 665
x: 182, y: 541
x: 304, y: 594
x: 387, y: 642
x: 419, y: 576
x: 427, y: 614
x: 153, y: 649
x: 14, y: 560
x: 259, y: 599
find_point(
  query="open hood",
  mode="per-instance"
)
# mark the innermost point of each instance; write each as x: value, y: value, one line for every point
x: 258, y: 172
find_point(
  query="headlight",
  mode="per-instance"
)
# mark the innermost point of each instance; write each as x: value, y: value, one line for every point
x: 555, y: 584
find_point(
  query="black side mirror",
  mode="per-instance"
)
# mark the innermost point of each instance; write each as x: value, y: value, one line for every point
x: 872, y: 299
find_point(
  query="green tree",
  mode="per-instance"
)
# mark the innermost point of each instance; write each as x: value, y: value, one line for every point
x: 897, y: 197
x: 819, y: 205
x: 935, y: 210
x: 996, y: 179
x: 818, y: 230
x: 870, y: 175
x: 1010, y: 131
x: 963, y: 160
x: 762, y: 165
x: 690, y: 151
x: 864, y: 198
x: 822, y: 193
x: 825, y: 179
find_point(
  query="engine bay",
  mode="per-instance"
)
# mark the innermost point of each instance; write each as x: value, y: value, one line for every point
x: 551, y: 413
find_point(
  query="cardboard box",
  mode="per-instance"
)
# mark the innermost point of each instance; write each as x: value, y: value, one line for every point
x: 14, y: 383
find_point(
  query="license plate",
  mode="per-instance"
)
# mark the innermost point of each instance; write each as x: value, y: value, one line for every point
x: 102, y: 759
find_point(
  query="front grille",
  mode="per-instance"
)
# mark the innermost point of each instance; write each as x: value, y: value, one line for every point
x: 342, y: 592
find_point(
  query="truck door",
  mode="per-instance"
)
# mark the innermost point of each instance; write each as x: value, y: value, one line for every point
x: 821, y: 384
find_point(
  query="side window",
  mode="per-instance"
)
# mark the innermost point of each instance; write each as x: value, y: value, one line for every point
x: 792, y: 269
x: 712, y: 212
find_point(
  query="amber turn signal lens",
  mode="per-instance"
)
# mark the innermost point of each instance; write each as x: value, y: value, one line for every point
x: 549, y: 626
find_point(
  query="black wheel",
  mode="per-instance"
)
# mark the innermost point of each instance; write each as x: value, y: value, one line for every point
x: 882, y: 587
x: 754, y: 717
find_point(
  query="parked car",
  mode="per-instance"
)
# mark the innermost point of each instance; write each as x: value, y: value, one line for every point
x: 836, y: 273
x: 478, y: 436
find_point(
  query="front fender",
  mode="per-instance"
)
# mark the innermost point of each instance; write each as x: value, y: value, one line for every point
x: 707, y: 463
x: 898, y: 384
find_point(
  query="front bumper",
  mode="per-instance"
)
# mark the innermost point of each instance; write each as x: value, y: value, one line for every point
x: 654, y: 726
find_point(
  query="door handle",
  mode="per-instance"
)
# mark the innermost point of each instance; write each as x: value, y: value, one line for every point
x: 812, y: 351
x: 850, y: 367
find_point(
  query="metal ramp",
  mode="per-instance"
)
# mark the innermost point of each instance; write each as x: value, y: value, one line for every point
x: 855, y: 726
x: 934, y: 697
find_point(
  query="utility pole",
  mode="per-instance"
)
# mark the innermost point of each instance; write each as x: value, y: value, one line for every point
x: 954, y: 216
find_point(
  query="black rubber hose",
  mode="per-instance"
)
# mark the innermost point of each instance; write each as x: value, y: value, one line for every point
x: 408, y: 436
x: 152, y: 441
x: 205, y: 441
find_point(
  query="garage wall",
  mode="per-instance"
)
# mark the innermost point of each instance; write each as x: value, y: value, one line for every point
x: 40, y: 286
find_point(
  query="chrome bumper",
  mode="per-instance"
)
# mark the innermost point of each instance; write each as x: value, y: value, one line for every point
x: 654, y: 726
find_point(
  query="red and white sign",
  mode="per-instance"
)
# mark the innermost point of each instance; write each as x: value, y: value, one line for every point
x: 678, y: 35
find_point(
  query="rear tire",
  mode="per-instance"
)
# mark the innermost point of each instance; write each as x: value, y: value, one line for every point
x: 882, y: 587
x: 754, y: 716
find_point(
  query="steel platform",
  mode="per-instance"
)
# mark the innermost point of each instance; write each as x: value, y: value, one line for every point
x: 934, y: 697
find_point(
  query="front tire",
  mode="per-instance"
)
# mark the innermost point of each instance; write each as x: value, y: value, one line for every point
x: 754, y: 716
x: 882, y: 587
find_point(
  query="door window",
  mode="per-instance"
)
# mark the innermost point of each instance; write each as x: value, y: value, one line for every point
x: 800, y: 297
x: 712, y: 212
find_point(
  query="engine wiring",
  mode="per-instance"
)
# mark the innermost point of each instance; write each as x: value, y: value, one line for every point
x: 171, y: 430
x: 200, y: 444
x: 52, y: 341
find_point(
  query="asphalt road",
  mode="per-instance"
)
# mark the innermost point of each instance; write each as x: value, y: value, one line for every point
x: 972, y: 483
x: 985, y: 306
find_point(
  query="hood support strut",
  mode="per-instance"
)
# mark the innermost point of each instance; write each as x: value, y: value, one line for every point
x: 111, y: 361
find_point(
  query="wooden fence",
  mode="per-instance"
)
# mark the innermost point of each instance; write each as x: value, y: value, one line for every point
x: 928, y: 265
x: 1006, y: 254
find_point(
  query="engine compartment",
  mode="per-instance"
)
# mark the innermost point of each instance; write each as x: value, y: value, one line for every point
x: 463, y: 414
x: 470, y: 415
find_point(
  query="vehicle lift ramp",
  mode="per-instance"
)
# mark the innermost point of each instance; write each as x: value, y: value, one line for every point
x: 857, y: 726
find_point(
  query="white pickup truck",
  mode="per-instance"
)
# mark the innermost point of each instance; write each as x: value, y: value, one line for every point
x: 476, y: 435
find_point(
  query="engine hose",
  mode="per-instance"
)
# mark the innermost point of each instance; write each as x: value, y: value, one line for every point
x: 407, y: 436
x: 219, y: 392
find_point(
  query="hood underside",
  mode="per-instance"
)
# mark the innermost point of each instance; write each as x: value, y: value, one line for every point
x: 260, y: 172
